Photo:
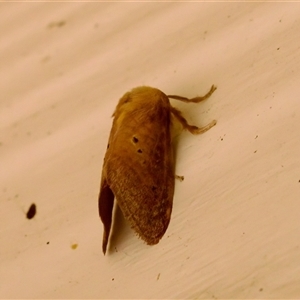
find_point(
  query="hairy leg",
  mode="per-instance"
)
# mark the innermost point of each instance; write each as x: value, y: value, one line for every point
x: 191, y: 128
x: 195, y: 99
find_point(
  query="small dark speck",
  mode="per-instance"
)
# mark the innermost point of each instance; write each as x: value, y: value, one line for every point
x: 31, y: 211
x: 140, y: 151
x: 278, y: 48
x: 256, y: 137
x: 261, y: 289
x: 57, y: 24
x: 74, y: 246
x: 48, y: 243
x: 107, y: 146
x: 299, y: 180
x: 45, y: 59
x: 255, y: 151
x: 135, y: 140
x: 112, y: 279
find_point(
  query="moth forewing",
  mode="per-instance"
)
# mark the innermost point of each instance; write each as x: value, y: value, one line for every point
x: 138, y: 167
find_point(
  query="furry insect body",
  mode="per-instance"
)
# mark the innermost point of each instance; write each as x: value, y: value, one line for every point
x: 139, y: 166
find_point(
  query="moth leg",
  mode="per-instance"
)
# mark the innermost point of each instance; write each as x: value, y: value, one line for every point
x: 180, y: 178
x: 105, y: 205
x: 191, y: 128
x: 195, y: 99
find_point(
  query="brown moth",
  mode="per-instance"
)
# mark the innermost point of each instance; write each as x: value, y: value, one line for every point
x: 139, y: 166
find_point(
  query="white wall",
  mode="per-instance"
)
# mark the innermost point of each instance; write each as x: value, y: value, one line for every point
x: 234, y: 231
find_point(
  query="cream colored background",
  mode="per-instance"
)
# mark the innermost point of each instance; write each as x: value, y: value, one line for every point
x: 235, y: 227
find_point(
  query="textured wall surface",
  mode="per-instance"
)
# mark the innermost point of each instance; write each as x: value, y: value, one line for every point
x: 235, y: 227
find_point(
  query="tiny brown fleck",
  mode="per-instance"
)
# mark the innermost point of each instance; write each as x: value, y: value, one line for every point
x: 74, y: 246
x: 56, y: 24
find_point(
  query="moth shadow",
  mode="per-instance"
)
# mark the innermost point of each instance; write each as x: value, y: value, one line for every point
x: 120, y: 229
x: 175, y: 144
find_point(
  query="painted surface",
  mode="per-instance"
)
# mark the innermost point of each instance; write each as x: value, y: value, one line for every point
x: 235, y: 225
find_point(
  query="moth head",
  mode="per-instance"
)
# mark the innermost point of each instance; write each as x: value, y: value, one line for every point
x: 143, y: 97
